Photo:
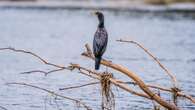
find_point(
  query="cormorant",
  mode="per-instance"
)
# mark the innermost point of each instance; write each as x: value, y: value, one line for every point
x: 100, y: 40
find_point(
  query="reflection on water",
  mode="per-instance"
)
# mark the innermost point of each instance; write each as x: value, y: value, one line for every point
x: 60, y: 35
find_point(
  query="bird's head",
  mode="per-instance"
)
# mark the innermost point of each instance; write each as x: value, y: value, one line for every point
x: 99, y: 14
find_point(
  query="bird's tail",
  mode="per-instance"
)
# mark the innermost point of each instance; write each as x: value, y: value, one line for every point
x: 97, y: 62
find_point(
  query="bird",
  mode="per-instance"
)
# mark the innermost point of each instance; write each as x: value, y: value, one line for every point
x: 100, y: 40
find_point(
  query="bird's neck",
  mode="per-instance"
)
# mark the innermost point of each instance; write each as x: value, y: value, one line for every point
x: 101, y: 24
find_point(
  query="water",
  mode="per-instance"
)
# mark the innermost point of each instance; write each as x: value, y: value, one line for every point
x: 59, y: 36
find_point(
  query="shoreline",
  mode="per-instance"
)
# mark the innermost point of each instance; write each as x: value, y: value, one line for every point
x: 110, y: 6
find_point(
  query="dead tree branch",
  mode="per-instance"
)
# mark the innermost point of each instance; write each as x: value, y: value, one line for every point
x: 181, y: 94
x: 149, y: 85
x: 79, y: 86
x: 52, y: 92
x: 96, y: 75
x: 35, y: 55
x: 3, y: 108
x: 133, y: 76
x: 174, y: 80
x: 41, y: 71
x: 123, y: 85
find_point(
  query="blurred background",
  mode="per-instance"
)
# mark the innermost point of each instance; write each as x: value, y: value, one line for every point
x: 57, y: 30
x: 147, y: 1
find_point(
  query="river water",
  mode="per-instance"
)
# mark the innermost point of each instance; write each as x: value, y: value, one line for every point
x: 60, y: 35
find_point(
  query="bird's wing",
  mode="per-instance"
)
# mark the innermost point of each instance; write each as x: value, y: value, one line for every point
x: 100, y: 42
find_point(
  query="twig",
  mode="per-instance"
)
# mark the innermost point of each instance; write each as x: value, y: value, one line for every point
x: 181, y: 94
x: 85, y: 71
x: 35, y: 55
x: 3, y: 108
x: 34, y: 71
x: 149, y: 85
x: 83, y: 85
x: 174, y: 80
x: 44, y: 72
x: 51, y: 92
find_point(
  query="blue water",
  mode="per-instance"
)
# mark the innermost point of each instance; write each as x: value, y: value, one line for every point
x: 60, y: 35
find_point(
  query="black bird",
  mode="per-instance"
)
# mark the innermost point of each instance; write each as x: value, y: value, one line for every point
x: 100, y: 40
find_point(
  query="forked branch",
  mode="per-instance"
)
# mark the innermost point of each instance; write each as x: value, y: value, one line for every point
x: 123, y: 85
x: 134, y: 77
x: 174, y: 80
x: 117, y: 83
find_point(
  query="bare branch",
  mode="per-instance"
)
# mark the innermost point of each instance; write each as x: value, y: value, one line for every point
x: 35, y: 55
x: 93, y: 74
x: 3, y: 108
x: 118, y: 67
x: 96, y: 75
x: 181, y: 94
x: 51, y: 92
x: 35, y: 71
x: 79, y: 86
x: 149, y: 85
x: 44, y: 72
x: 140, y: 83
x: 174, y: 80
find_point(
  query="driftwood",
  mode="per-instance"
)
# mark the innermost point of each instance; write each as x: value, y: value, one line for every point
x: 147, y: 88
x: 138, y: 81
